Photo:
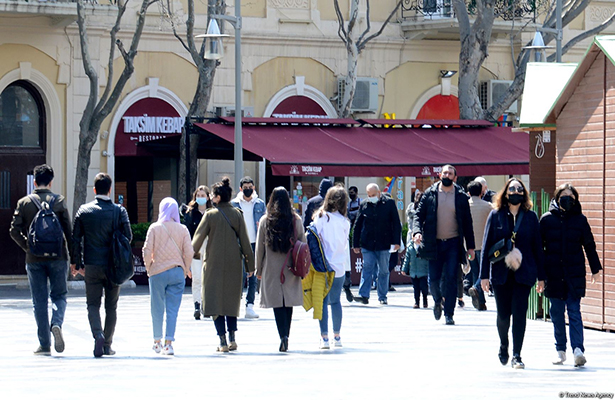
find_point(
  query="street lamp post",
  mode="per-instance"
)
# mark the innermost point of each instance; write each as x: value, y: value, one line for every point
x: 214, y: 49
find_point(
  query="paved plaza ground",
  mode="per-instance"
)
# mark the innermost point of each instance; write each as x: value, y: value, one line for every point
x: 390, y: 352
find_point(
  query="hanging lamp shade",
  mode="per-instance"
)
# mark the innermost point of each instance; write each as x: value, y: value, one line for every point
x: 214, y: 50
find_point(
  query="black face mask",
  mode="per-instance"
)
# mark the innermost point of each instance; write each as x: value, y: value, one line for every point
x: 447, y: 182
x: 353, y: 196
x: 515, y: 199
x: 248, y: 192
x: 566, y: 203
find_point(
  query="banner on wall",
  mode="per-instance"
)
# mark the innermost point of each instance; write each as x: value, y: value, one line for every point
x: 146, y: 120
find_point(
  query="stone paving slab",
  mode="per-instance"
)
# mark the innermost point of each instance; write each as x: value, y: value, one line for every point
x: 390, y: 352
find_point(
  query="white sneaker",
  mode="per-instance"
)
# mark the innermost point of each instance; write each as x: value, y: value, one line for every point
x: 168, y: 350
x: 561, y: 357
x: 157, y: 347
x: 579, y: 358
x: 337, y: 342
x: 250, y: 313
x: 324, y: 344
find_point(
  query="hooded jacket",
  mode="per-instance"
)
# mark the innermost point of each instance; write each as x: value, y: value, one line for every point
x: 258, y: 210
x: 315, y: 202
x: 564, y: 235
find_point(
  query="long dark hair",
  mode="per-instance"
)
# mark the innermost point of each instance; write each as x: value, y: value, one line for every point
x: 280, y: 220
x: 193, y: 204
x: 501, y: 200
x: 336, y: 199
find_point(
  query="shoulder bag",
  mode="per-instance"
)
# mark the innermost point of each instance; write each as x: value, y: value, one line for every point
x: 502, y: 247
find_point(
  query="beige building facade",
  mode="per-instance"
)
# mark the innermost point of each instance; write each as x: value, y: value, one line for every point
x: 290, y: 49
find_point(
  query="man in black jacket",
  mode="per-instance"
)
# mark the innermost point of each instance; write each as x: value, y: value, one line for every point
x: 93, y: 228
x: 315, y: 202
x: 41, y: 270
x: 441, y: 223
x: 377, y: 230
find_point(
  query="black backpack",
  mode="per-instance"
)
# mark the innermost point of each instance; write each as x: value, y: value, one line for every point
x: 121, y: 267
x: 45, y: 235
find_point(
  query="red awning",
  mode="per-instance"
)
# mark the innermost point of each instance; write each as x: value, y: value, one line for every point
x: 348, y: 150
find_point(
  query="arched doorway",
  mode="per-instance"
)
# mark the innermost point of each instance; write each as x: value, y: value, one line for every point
x: 23, y: 145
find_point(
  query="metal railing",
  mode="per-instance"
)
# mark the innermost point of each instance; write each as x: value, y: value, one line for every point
x: 538, y: 304
x: 506, y: 10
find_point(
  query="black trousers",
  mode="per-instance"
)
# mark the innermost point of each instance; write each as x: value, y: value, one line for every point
x: 96, y: 283
x: 420, y: 286
x: 511, y: 299
x: 283, y: 318
x: 231, y: 324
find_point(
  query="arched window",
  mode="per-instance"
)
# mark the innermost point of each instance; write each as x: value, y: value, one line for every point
x: 22, y: 116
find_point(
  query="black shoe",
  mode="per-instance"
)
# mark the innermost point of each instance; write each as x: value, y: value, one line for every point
x: 437, y: 311
x: 349, y: 295
x: 284, y: 344
x: 108, y: 351
x: 383, y: 302
x: 56, y: 331
x: 99, y: 343
x: 461, y: 303
x: 425, y: 305
x: 392, y: 289
x: 516, y: 362
x: 449, y: 320
x: 503, y: 355
x: 197, y: 310
x: 475, y: 300
x: 361, y: 299
x: 482, y: 307
x: 42, y: 351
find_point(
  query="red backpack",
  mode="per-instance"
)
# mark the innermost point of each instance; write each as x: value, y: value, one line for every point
x: 301, y: 261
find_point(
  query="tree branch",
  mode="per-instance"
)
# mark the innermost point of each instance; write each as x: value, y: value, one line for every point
x: 90, y: 71
x: 461, y: 11
x: 583, y: 36
x: 341, y: 32
x: 362, y: 43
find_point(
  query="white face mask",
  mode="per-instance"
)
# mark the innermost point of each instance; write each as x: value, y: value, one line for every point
x: 373, y: 200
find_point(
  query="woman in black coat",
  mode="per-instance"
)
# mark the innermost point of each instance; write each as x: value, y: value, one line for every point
x: 511, y: 286
x: 565, y: 233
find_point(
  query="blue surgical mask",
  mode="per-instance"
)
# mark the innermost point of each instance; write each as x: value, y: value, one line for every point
x: 201, y: 201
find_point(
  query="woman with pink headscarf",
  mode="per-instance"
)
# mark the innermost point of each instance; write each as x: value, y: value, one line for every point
x: 167, y: 254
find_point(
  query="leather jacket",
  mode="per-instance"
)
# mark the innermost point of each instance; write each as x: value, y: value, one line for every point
x: 93, y: 232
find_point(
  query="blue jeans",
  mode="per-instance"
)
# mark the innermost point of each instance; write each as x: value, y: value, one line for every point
x: 447, y: 265
x: 56, y: 272
x: 251, y: 284
x: 333, y: 299
x: 375, y: 262
x: 475, y: 276
x: 575, y: 322
x: 166, y: 290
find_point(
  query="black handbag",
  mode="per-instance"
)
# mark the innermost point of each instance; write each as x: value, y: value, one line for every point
x: 121, y: 268
x: 502, y: 247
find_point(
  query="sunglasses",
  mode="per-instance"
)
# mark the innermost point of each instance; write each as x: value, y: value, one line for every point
x: 518, y: 189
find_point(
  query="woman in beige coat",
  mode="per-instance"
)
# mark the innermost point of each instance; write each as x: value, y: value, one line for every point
x: 273, y: 242
x: 222, y: 264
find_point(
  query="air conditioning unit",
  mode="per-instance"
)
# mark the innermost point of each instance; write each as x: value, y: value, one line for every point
x: 229, y: 111
x: 491, y: 91
x: 365, y: 95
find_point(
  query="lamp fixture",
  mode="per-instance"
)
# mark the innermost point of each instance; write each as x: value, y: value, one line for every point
x: 213, y: 41
x: 446, y: 73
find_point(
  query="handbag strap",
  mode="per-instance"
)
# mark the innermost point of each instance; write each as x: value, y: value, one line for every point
x: 175, y: 243
x: 517, y: 225
x: 292, y: 244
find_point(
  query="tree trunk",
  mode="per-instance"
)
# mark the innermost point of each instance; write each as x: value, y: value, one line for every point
x: 83, y: 165
x: 350, y: 82
x: 469, y: 102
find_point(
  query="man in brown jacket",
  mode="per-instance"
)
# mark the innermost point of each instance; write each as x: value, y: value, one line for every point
x: 42, y: 269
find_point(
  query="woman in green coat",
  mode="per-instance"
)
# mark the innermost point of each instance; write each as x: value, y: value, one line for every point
x: 227, y: 245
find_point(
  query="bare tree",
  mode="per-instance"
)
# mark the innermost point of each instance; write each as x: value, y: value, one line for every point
x: 99, y: 107
x: 354, y: 47
x: 202, y: 94
x: 475, y: 38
